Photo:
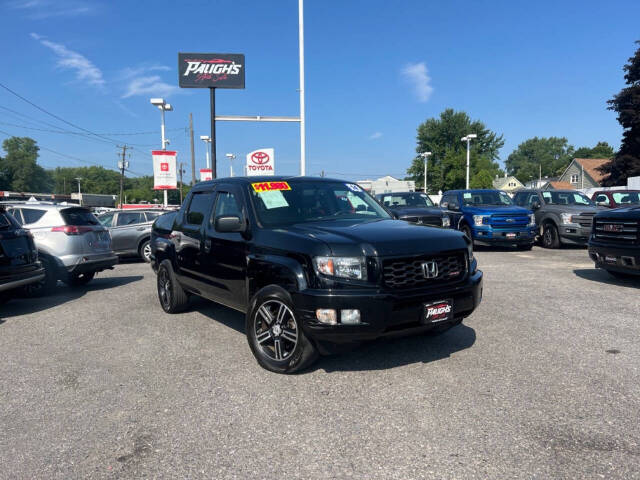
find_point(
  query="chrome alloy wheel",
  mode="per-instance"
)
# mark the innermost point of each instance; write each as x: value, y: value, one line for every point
x: 146, y: 252
x: 276, y: 330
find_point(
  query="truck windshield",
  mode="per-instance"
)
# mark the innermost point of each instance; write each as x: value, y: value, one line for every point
x: 486, y: 198
x: 392, y: 200
x: 566, y: 198
x: 280, y: 203
x: 626, y: 197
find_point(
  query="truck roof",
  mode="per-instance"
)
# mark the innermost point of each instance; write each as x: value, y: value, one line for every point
x: 259, y: 179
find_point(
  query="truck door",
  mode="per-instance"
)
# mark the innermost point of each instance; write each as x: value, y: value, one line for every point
x: 224, y: 254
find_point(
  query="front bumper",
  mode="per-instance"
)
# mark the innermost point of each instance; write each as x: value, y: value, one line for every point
x: 624, y: 259
x: 574, y: 234
x: 20, y: 278
x: 383, y: 313
x: 494, y: 236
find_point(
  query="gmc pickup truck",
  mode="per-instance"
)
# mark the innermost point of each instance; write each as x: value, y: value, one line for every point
x: 314, y: 264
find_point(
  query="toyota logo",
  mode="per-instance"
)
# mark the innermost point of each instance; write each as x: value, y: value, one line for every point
x: 259, y: 158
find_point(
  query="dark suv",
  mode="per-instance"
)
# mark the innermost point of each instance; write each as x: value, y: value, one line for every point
x: 414, y: 207
x: 563, y: 216
x: 615, y: 241
x: 308, y: 270
x: 130, y: 231
x: 19, y: 265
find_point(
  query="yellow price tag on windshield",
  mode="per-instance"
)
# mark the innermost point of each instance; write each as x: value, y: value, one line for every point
x: 270, y: 186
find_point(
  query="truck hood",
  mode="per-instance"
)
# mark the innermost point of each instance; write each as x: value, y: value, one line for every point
x: 498, y: 209
x: 380, y: 237
x: 418, y: 211
x: 627, y: 213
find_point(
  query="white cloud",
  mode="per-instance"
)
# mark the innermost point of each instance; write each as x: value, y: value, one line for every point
x: 416, y: 74
x: 375, y: 135
x: 130, y: 72
x: 151, y: 85
x: 42, y: 9
x: 84, y: 69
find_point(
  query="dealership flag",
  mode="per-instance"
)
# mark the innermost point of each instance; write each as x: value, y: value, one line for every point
x: 261, y: 162
x: 164, y: 170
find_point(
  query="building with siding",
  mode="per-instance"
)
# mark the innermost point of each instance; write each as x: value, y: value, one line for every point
x: 584, y: 173
x: 508, y: 184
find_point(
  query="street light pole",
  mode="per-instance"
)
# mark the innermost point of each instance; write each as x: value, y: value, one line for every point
x: 79, y: 192
x: 468, y: 139
x: 303, y: 159
x: 231, y: 158
x: 207, y: 140
x: 426, y: 156
x: 163, y: 106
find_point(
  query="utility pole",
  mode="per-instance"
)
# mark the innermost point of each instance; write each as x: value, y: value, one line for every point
x: 122, y: 165
x: 181, y: 171
x: 193, y: 153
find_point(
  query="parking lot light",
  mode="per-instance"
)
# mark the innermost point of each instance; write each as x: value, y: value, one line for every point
x: 468, y: 139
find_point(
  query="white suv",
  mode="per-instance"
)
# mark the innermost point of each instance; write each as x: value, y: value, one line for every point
x: 72, y: 244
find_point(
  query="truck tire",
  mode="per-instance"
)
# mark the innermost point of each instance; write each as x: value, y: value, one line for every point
x: 173, y: 298
x: 467, y: 231
x: 275, y: 334
x: 550, y: 238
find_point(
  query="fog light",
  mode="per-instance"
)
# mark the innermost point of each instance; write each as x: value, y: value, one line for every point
x: 349, y: 317
x: 327, y: 315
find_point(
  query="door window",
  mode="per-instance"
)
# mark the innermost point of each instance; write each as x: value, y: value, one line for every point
x: 226, y: 206
x: 199, y: 207
x: 533, y: 199
x: 15, y: 213
x: 106, y: 220
x: 130, y: 218
x: 32, y: 215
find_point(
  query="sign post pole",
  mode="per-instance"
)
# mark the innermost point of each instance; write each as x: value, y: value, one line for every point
x: 212, y: 96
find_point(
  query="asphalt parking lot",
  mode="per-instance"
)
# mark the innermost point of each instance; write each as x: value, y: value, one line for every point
x: 543, y: 381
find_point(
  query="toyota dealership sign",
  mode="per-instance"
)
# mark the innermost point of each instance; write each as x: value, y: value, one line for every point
x: 261, y: 162
x: 164, y: 170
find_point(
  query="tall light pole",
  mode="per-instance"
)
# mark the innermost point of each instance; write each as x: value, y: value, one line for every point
x: 164, y: 107
x: 426, y: 156
x: 231, y: 158
x: 207, y: 140
x: 79, y: 193
x: 468, y: 139
x: 303, y: 159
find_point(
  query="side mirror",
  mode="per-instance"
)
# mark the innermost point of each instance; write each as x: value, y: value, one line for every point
x: 229, y: 224
x: 535, y: 205
x: 444, y: 204
x: 454, y: 207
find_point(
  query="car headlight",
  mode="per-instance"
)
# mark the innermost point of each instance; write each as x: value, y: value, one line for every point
x: 566, y: 218
x: 479, y: 219
x: 343, y: 267
x: 446, y: 221
x: 532, y: 220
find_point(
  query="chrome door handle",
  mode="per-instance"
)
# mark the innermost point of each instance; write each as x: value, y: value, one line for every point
x: 207, y: 245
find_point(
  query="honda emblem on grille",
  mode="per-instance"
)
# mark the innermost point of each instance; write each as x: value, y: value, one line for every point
x: 430, y: 269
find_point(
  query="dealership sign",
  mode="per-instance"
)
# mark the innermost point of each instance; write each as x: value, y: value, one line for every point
x: 206, y: 174
x: 164, y: 170
x: 261, y: 162
x: 211, y: 70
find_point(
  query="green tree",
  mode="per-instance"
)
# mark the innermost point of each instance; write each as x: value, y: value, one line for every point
x: 626, y: 162
x: 19, y: 169
x: 601, y: 150
x: 447, y: 164
x: 482, y: 179
x: 551, y: 155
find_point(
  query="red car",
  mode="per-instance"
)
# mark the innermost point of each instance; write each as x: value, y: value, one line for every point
x: 616, y: 198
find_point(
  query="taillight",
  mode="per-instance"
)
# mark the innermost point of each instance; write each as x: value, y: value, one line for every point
x: 71, y: 229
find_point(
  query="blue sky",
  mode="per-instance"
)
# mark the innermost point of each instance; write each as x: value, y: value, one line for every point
x: 374, y: 71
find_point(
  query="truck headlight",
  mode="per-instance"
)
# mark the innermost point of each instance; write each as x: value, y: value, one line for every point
x: 446, y: 221
x: 480, y: 219
x: 343, y: 267
x: 567, y: 218
x: 532, y: 220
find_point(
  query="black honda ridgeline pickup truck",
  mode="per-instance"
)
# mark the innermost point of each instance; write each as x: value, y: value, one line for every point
x: 315, y: 264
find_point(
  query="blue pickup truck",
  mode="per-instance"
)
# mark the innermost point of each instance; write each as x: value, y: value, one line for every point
x: 489, y: 217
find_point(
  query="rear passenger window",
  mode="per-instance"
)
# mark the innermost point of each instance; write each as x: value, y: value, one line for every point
x: 32, y: 215
x: 130, y: 218
x: 15, y: 213
x: 199, y: 207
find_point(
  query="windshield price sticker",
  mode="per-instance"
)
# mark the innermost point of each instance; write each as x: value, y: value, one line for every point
x: 466, y: 195
x: 353, y: 187
x: 270, y: 186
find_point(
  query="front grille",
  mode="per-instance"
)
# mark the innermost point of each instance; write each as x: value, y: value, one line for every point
x: 408, y: 271
x: 616, y: 230
x: 509, y: 221
x: 584, y: 219
x: 431, y: 220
